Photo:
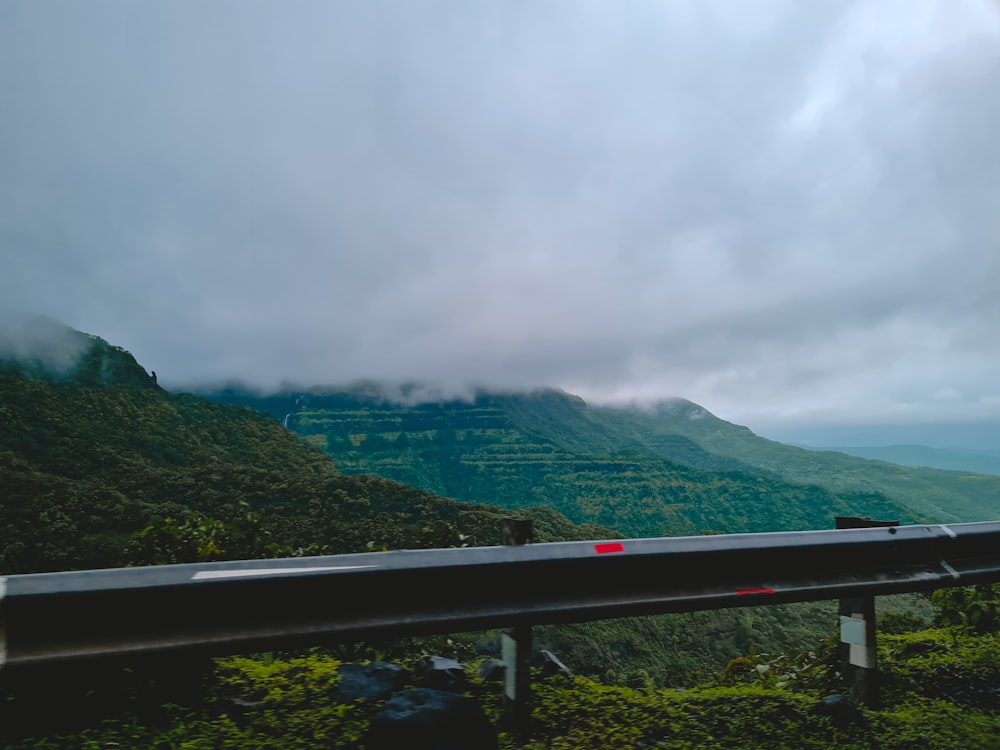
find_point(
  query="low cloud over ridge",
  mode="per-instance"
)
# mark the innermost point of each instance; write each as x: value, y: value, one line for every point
x: 782, y: 213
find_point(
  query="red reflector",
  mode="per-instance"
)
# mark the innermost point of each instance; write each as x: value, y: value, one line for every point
x: 603, y: 549
x: 744, y: 592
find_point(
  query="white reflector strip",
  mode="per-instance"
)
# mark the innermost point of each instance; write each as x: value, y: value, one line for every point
x: 202, y: 575
x: 861, y: 656
x: 853, y: 630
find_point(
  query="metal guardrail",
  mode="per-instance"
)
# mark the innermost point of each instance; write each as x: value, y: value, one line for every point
x: 229, y: 607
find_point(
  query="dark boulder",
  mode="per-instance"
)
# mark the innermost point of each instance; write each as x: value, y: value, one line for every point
x: 550, y: 665
x: 370, y: 682
x: 424, y: 719
x: 440, y: 673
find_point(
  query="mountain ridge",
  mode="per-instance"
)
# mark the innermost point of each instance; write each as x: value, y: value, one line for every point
x: 597, y: 464
x: 923, y: 456
x: 93, y: 451
x: 677, y: 431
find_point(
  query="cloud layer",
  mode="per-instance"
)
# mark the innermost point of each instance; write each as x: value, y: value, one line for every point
x: 781, y: 210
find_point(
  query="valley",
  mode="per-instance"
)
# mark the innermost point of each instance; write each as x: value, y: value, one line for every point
x: 670, y: 469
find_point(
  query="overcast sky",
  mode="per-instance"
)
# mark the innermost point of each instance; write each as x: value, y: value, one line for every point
x: 785, y: 211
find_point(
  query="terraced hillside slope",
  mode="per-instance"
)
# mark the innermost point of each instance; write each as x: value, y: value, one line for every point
x: 939, y: 495
x: 625, y: 470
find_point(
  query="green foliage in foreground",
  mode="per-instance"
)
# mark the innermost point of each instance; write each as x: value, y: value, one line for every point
x: 975, y: 607
x: 762, y: 702
x: 682, y: 649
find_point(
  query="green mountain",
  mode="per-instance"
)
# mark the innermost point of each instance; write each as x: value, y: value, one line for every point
x: 938, y: 495
x: 674, y: 468
x: 645, y: 474
x: 92, y: 452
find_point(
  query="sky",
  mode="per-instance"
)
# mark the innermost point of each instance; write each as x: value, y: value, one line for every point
x: 785, y: 211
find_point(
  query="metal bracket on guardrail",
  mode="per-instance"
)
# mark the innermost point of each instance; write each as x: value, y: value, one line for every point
x: 517, y: 645
x: 857, y: 631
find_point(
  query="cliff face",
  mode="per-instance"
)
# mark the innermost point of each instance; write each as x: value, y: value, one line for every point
x: 643, y: 473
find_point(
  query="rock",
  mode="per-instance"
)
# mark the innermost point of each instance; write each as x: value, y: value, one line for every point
x: 550, y: 665
x: 841, y: 710
x: 424, y: 719
x: 370, y: 682
x: 440, y: 673
x: 492, y: 671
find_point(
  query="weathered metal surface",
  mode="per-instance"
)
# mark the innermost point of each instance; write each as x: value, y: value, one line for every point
x: 265, y: 604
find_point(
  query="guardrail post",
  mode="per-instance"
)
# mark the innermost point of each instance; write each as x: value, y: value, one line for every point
x: 857, y: 632
x: 517, y: 646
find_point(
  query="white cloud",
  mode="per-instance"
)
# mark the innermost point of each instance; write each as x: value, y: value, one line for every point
x: 780, y: 210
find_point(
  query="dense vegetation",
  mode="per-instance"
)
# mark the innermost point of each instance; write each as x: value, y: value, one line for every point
x: 938, y: 495
x: 93, y: 456
x: 548, y: 448
x: 939, y: 692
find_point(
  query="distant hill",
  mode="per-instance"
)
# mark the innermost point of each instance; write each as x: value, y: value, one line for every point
x: 941, y: 496
x: 976, y: 461
x: 960, y: 436
x: 645, y: 474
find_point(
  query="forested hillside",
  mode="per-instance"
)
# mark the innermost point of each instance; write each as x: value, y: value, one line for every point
x: 938, y: 495
x: 94, y: 453
x: 621, y: 469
